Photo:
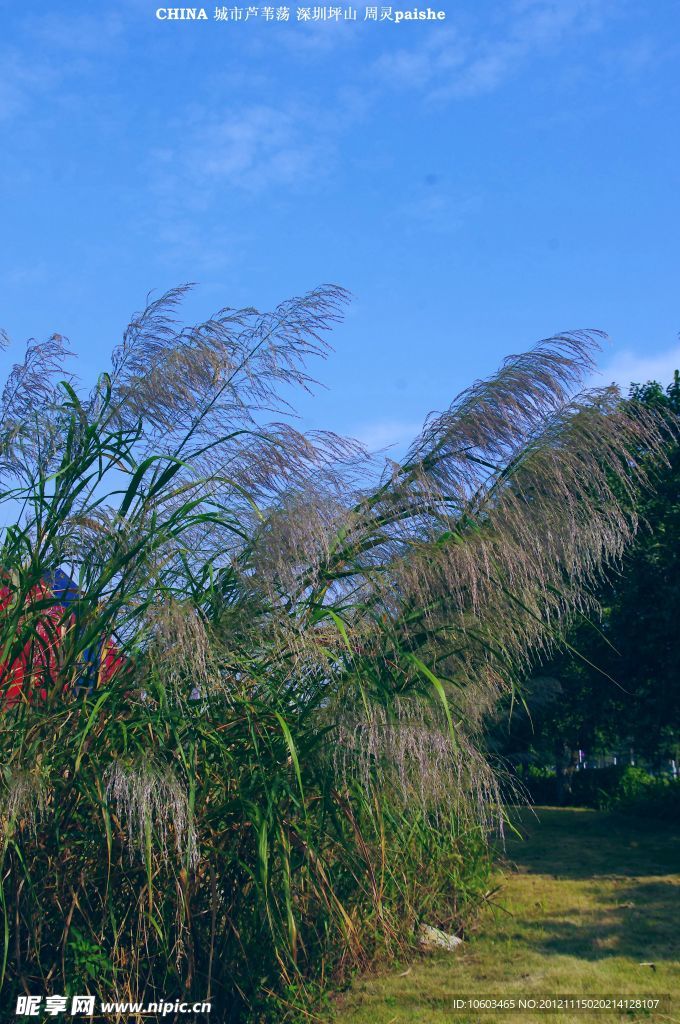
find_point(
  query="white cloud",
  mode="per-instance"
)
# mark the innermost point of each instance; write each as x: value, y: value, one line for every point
x: 443, y: 53
x: 247, y: 152
x: 452, y: 64
x: 250, y: 149
x: 55, y: 50
x: 256, y: 147
x: 628, y: 367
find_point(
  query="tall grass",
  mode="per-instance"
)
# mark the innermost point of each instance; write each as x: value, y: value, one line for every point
x: 284, y: 776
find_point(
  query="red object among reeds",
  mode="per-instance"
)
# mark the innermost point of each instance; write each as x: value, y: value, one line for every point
x: 29, y: 675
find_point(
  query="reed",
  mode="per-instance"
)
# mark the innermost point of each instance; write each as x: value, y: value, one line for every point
x: 285, y: 774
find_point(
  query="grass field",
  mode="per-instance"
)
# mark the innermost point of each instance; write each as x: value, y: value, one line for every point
x: 589, y: 902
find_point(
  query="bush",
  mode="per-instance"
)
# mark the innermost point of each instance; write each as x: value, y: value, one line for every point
x: 595, y: 787
x: 625, y: 788
x: 646, y: 796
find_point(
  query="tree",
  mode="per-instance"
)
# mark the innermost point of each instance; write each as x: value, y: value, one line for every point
x: 617, y: 684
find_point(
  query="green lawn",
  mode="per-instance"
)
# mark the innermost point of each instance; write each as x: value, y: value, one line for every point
x: 587, y: 898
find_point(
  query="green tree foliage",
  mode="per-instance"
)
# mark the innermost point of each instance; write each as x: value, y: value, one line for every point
x: 617, y: 685
x: 645, y: 606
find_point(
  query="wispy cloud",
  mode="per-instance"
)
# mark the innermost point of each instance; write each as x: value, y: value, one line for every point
x: 628, y: 367
x: 434, y: 209
x: 257, y: 147
x: 387, y: 434
x: 254, y: 148
x: 455, y: 63
x: 445, y: 52
x: 22, y: 82
x: 51, y: 51
x: 82, y: 34
x: 214, y: 161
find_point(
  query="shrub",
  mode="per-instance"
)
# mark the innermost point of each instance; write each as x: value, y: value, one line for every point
x: 595, y: 787
x: 646, y: 796
x: 628, y: 789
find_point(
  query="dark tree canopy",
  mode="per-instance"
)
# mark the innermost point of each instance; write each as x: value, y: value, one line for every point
x: 617, y: 684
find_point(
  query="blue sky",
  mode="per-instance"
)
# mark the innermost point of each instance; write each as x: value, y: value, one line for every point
x: 477, y: 183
